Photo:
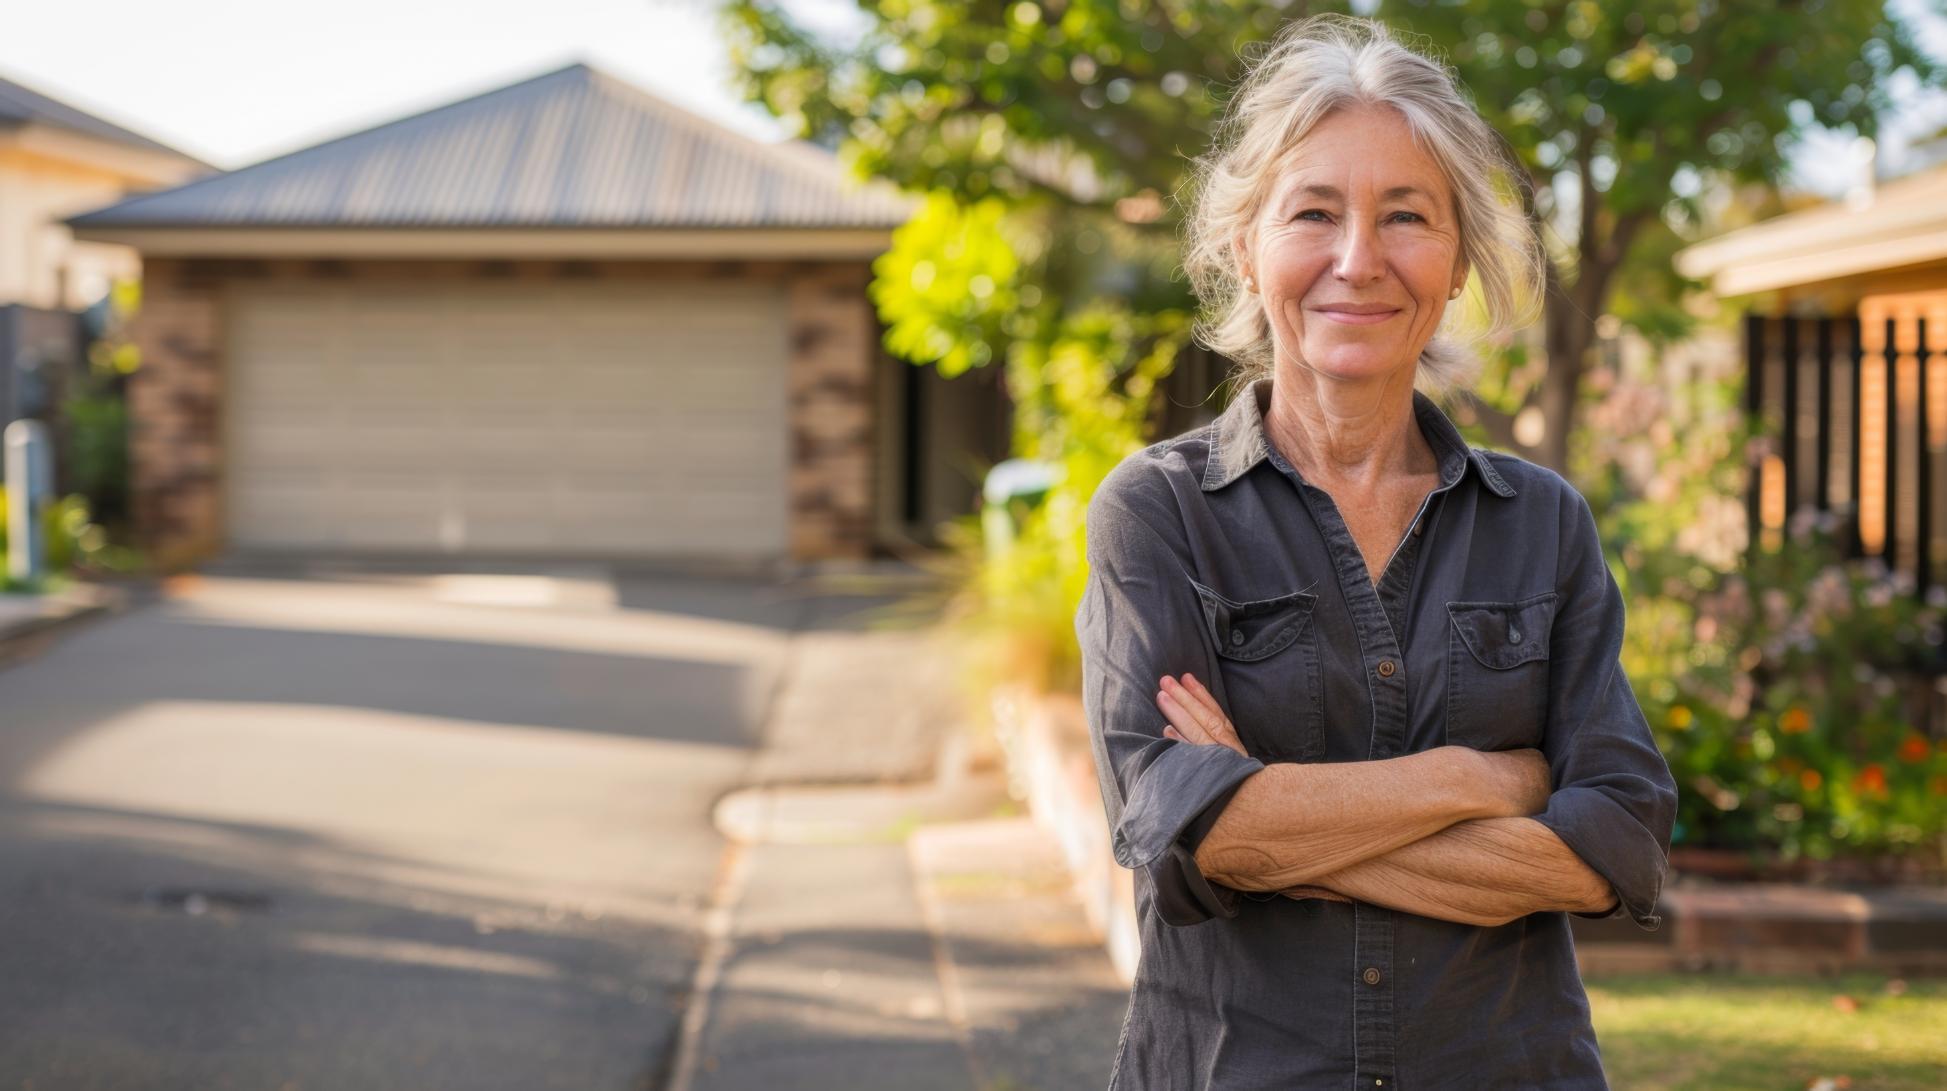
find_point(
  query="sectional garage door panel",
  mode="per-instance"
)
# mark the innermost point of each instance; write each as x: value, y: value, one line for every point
x: 603, y: 418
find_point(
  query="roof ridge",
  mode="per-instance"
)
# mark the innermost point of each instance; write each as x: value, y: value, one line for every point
x: 222, y: 176
x: 331, y: 183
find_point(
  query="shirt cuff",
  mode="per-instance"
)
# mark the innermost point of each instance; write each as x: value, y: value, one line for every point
x: 1170, y: 792
x: 1615, y: 845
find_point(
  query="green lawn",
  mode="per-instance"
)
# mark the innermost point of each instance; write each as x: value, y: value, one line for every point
x: 1731, y: 1032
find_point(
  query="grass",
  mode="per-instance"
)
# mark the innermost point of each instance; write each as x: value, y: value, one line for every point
x: 1731, y: 1032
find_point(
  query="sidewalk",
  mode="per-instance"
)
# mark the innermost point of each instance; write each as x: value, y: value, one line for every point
x: 881, y: 921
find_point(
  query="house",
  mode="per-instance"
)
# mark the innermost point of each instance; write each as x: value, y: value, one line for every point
x: 560, y: 318
x: 1846, y: 343
x: 56, y: 160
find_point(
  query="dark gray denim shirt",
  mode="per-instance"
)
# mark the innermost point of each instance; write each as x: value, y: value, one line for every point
x: 1499, y: 626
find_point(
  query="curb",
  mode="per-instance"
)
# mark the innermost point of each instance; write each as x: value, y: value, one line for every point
x: 26, y: 630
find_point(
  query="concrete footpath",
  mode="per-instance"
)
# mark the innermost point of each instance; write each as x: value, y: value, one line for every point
x: 885, y: 918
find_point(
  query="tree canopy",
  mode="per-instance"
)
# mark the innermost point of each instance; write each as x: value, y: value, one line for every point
x: 1056, y: 139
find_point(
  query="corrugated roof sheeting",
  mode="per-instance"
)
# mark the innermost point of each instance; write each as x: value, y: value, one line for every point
x: 572, y: 148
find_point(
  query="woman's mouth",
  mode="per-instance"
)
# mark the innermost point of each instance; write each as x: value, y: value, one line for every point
x: 1357, y: 318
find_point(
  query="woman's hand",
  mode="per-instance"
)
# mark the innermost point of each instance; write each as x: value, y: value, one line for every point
x: 1193, y: 714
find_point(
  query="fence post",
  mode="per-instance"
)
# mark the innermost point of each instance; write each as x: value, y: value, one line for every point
x: 30, y: 476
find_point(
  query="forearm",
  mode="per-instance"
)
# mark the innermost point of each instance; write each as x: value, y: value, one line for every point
x: 1292, y: 823
x: 1485, y: 871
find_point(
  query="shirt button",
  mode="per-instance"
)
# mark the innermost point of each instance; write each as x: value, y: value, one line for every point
x: 1386, y: 668
x: 1371, y: 975
x: 1514, y: 634
x: 1237, y: 636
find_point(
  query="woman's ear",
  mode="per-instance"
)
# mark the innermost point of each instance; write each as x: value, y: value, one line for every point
x: 1241, y: 251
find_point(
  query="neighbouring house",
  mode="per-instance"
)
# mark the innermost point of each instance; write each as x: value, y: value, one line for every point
x: 1846, y: 344
x: 56, y: 160
x: 560, y: 318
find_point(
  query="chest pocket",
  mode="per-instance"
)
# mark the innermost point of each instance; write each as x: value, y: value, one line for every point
x: 1267, y: 650
x: 1497, y: 672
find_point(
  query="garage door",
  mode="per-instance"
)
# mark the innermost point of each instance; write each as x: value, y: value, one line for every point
x: 596, y: 419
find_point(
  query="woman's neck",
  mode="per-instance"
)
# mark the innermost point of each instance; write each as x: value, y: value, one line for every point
x: 1346, y: 433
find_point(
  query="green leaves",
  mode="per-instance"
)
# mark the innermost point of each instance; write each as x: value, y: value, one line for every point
x: 948, y: 284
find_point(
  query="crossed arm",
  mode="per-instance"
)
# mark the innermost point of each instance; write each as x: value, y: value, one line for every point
x: 1442, y: 833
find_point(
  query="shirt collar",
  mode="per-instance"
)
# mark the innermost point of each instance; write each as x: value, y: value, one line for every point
x: 1237, y: 441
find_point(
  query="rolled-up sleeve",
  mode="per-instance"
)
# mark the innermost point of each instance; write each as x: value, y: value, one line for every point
x: 1615, y: 801
x: 1139, y: 619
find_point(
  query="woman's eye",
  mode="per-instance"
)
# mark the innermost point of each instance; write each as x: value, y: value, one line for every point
x: 1414, y: 215
x: 1319, y: 212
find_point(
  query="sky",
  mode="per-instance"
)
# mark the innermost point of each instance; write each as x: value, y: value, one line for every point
x: 233, y: 82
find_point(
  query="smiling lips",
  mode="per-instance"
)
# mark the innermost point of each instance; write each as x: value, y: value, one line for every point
x: 1358, y: 314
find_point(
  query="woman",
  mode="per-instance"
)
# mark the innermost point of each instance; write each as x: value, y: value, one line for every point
x: 1353, y: 686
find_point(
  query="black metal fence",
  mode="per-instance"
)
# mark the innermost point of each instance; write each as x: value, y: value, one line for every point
x: 1854, y: 417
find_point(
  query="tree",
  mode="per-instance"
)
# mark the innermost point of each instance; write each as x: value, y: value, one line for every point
x: 1625, y: 116
x: 1064, y: 128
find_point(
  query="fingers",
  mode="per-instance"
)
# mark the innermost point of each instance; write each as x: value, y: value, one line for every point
x: 1209, y: 713
x: 1196, y: 714
x: 1188, y: 725
x: 1197, y: 693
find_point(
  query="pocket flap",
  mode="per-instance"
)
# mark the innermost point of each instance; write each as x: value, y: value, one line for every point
x: 1503, y: 635
x: 1257, y: 628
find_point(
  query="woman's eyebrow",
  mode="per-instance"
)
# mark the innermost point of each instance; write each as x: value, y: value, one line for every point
x: 1331, y: 193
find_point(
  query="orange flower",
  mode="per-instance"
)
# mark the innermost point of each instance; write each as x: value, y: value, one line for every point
x: 1871, y: 779
x: 1796, y: 721
x: 1913, y: 749
x: 1810, y: 780
x: 1680, y: 717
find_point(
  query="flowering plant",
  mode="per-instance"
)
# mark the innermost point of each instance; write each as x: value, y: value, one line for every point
x: 1798, y: 716
x: 1796, y: 693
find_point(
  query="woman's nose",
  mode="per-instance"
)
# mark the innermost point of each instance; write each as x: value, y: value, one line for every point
x: 1359, y: 260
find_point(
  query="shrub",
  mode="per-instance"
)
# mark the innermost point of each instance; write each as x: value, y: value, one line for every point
x: 70, y: 540
x: 1796, y: 716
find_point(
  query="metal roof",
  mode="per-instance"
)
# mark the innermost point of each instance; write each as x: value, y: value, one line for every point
x: 571, y: 148
x: 21, y: 106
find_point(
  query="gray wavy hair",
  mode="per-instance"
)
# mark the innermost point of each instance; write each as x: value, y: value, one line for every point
x: 1313, y: 67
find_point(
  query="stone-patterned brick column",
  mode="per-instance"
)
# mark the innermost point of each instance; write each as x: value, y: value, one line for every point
x: 833, y: 342
x: 175, y: 416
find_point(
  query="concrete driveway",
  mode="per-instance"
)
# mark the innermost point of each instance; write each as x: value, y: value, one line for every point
x: 360, y: 830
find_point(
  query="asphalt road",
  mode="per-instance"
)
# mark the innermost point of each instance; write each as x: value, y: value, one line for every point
x: 372, y: 832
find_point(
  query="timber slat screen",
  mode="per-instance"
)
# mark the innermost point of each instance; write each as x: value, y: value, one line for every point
x: 1854, y: 417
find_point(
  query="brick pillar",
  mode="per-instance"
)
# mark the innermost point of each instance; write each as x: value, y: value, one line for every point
x: 175, y: 403
x: 833, y: 346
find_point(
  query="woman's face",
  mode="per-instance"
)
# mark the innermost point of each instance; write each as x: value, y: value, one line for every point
x: 1357, y: 248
